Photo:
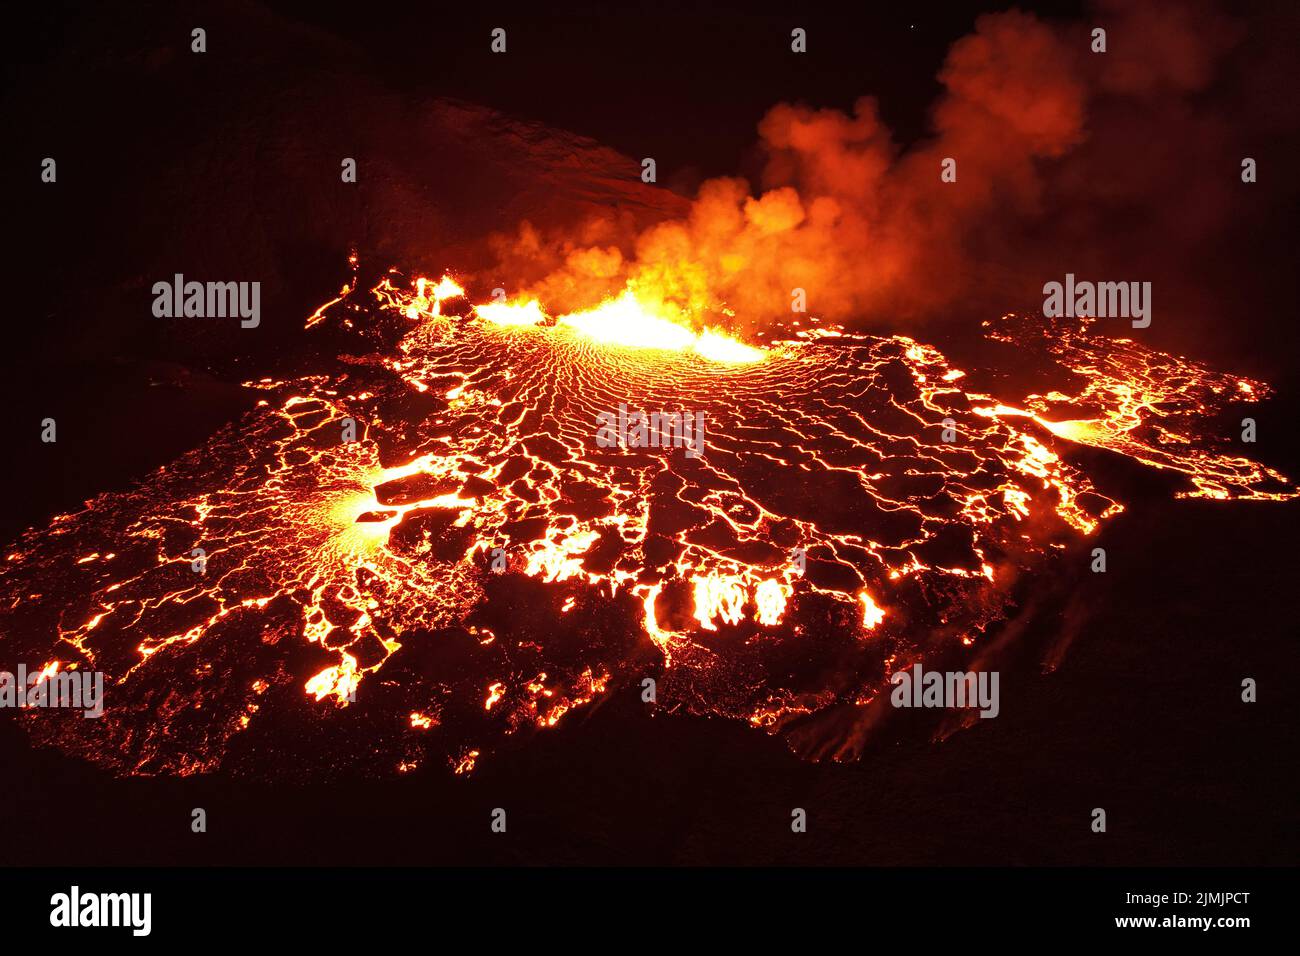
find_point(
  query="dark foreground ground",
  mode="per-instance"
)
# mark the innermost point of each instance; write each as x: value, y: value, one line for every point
x: 1143, y: 717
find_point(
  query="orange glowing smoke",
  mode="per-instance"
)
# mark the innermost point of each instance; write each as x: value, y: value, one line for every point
x: 874, y: 238
x: 841, y: 215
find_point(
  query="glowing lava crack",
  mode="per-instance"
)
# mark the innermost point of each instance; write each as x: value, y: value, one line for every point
x: 474, y: 564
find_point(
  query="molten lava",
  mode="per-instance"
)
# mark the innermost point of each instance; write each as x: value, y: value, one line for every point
x: 628, y: 321
x: 474, y: 563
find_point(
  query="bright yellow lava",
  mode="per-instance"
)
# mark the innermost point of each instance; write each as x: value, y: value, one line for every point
x: 512, y: 313
x: 628, y: 321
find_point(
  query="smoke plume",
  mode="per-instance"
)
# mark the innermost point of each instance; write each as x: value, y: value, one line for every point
x: 1066, y: 159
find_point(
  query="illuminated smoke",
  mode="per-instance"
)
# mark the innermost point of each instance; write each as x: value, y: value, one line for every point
x: 874, y: 237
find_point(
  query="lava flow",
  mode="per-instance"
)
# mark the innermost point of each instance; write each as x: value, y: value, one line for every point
x: 475, y: 563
